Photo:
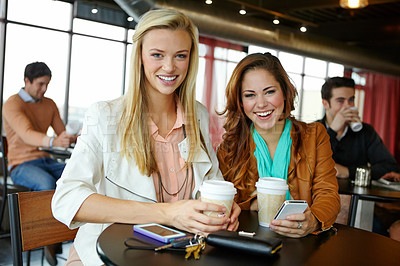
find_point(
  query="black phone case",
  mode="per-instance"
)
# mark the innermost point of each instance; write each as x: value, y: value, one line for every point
x: 250, y: 245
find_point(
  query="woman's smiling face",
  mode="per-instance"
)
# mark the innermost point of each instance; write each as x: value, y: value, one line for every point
x: 165, y: 58
x: 262, y: 98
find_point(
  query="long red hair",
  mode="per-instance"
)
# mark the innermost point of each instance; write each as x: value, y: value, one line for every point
x: 236, y: 152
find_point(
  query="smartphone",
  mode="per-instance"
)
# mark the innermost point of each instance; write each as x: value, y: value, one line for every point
x: 158, y: 232
x: 388, y: 182
x: 291, y: 207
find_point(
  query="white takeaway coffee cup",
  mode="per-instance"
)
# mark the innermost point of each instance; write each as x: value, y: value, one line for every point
x: 218, y: 192
x: 271, y: 193
x: 355, y: 125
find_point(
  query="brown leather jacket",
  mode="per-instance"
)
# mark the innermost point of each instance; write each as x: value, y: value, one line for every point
x: 311, y: 173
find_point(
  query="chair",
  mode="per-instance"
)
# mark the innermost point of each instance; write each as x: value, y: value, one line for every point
x: 32, y: 224
x: 6, y: 185
x: 343, y: 216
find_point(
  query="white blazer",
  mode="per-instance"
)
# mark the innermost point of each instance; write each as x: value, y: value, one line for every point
x: 96, y: 167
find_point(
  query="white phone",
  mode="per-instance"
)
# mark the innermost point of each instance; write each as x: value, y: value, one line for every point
x: 291, y: 207
x: 158, y: 232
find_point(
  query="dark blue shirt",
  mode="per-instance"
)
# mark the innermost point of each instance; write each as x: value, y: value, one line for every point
x: 358, y: 149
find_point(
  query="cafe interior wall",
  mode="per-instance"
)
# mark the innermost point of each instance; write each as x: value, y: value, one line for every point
x: 218, y: 24
x: 221, y: 26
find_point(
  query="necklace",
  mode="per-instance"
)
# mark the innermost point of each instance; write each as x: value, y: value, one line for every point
x: 179, y: 190
x: 162, y: 189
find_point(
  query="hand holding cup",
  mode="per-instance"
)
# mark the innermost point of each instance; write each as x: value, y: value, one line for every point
x: 271, y: 193
x: 356, y: 125
x: 220, y: 193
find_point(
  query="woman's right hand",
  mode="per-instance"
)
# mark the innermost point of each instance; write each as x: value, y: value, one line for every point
x: 188, y: 215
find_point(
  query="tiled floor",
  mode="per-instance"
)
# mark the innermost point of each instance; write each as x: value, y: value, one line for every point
x: 36, y: 255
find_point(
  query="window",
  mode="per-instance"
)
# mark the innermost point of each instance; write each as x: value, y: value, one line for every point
x: 296, y: 80
x: 128, y: 59
x: 225, y: 61
x: 101, y: 54
x: 291, y: 62
x: 201, y: 74
x: 335, y: 70
x: 99, y: 29
x: 200, y: 79
x: 312, y: 108
x: 96, y: 73
x: 38, y: 12
x: 315, y: 67
x: 49, y: 46
x: 258, y: 49
x: 97, y: 65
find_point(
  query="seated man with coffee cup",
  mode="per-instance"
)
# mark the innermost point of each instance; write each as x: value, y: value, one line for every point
x: 353, y: 145
x: 265, y: 144
x: 354, y: 148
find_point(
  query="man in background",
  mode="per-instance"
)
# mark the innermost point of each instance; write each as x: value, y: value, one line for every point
x: 352, y: 149
x: 27, y: 116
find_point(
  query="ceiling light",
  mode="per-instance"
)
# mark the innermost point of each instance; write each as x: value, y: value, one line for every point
x: 353, y: 3
x: 242, y: 11
x: 95, y: 10
x: 303, y: 28
x: 208, y: 2
x: 276, y: 21
x: 129, y: 19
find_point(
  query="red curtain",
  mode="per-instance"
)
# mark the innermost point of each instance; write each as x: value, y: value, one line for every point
x: 210, y: 88
x: 382, y: 108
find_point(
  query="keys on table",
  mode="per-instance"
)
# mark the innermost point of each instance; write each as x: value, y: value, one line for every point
x: 178, y: 243
x: 195, y: 249
x: 193, y: 245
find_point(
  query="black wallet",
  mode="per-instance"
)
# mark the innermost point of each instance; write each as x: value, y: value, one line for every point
x: 251, y: 245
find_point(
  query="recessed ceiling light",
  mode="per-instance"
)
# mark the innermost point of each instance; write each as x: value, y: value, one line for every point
x: 242, y: 11
x: 208, y: 2
x: 303, y: 29
x: 353, y: 3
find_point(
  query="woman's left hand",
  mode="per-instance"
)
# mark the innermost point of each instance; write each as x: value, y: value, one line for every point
x: 296, y: 225
x: 234, y: 223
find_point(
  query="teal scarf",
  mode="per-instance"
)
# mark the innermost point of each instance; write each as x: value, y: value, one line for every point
x: 279, y: 166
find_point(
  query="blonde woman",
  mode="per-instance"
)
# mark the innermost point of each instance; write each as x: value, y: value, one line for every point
x: 141, y: 158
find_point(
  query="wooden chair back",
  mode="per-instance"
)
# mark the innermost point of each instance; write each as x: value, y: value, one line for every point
x: 6, y: 187
x: 32, y: 223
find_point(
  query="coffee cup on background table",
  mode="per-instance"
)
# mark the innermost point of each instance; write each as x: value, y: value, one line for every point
x: 271, y: 193
x: 355, y: 125
x: 220, y: 193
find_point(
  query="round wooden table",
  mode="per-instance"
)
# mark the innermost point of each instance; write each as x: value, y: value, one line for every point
x: 347, y: 246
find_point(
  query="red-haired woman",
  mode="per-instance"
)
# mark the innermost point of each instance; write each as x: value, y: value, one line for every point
x: 263, y: 139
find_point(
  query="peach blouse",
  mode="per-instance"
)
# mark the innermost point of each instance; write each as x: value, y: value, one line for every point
x: 176, y: 179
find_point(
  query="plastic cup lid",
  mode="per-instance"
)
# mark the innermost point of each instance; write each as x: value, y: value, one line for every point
x: 218, y: 187
x: 271, y: 183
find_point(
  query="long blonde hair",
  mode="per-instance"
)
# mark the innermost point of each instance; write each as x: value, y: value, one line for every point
x: 135, y: 136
